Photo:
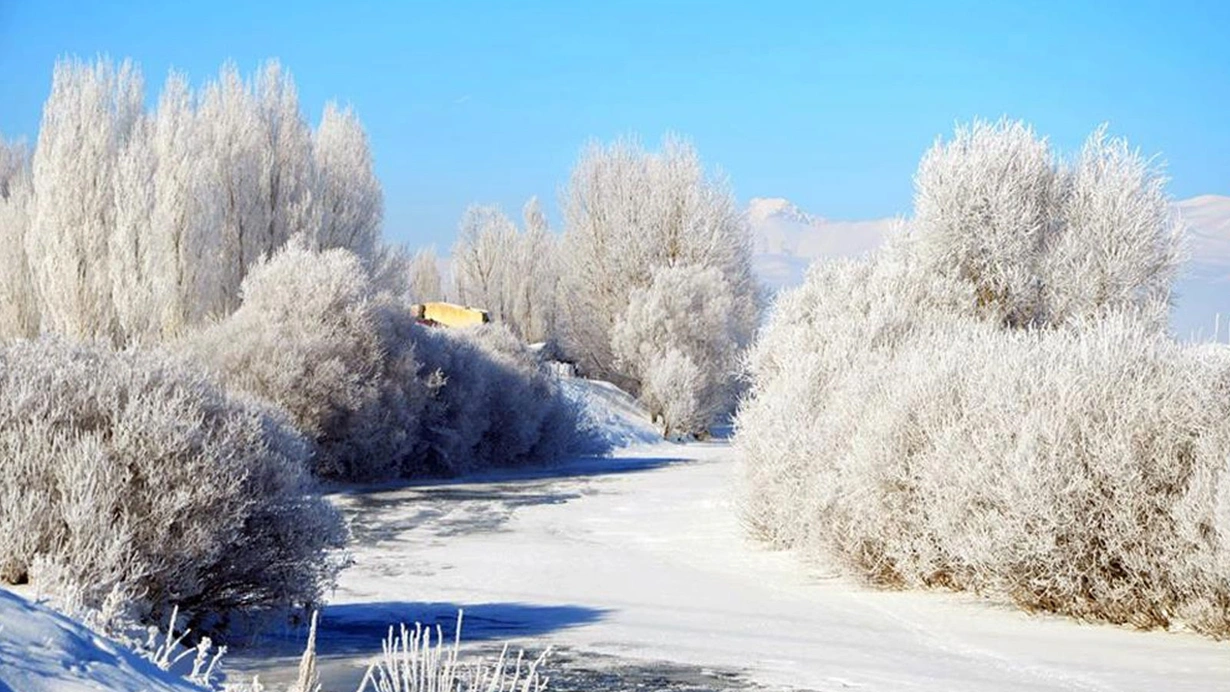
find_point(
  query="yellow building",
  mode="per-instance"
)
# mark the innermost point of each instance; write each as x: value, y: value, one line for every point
x: 451, y: 315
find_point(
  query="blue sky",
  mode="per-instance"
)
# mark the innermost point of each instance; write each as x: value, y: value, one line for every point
x: 828, y: 104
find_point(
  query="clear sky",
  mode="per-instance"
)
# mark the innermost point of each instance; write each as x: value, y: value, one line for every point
x: 828, y: 104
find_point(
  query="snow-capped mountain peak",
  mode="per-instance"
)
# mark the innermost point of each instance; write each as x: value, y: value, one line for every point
x: 761, y: 210
x: 786, y: 239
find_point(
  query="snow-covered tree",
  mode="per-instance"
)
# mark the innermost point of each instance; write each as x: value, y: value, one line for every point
x: 86, y: 124
x: 1041, y: 240
x: 18, y: 311
x: 535, y: 278
x: 425, y: 282
x: 140, y: 224
x: 1121, y: 243
x: 288, y: 170
x: 680, y: 340
x: 348, y: 193
x: 511, y: 273
x: 132, y: 258
x: 630, y: 212
x: 257, y: 152
x: 991, y: 403
x: 191, y: 199
x: 481, y: 259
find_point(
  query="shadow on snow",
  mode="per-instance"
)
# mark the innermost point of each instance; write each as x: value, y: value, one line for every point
x: 359, y: 628
x: 578, y: 467
x: 474, y: 504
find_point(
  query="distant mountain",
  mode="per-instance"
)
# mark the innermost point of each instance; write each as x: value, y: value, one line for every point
x: 1203, y: 288
x: 787, y: 239
x: 1208, y: 236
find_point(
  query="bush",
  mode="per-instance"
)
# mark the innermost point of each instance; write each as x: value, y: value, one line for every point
x: 1078, y: 471
x: 129, y: 480
x: 961, y: 411
x: 493, y: 404
x: 310, y: 337
x: 380, y: 395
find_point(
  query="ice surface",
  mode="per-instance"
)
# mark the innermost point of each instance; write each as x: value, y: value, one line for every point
x: 642, y: 557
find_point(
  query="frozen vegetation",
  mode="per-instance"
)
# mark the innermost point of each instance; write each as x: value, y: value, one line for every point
x: 131, y: 483
x: 649, y: 287
x: 198, y: 317
x: 380, y: 395
x: 199, y: 322
x: 992, y: 402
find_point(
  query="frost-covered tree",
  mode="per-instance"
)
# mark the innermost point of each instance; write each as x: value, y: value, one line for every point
x: 18, y: 309
x: 260, y: 159
x: 511, y: 273
x: 288, y: 171
x: 190, y: 202
x: 535, y: 278
x: 425, y: 282
x: 133, y: 257
x: 991, y: 402
x: 680, y: 340
x: 630, y: 212
x: 86, y: 124
x: 1121, y: 243
x: 482, y: 257
x: 1042, y: 240
x: 348, y: 193
x: 141, y: 224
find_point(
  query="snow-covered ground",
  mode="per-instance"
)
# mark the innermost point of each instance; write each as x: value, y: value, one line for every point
x: 636, y: 564
x: 43, y: 651
x: 642, y: 557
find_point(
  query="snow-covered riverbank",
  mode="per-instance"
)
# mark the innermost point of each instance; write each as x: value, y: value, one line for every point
x: 642, y: 557
x: 636, y: 568
x: 44, y: 651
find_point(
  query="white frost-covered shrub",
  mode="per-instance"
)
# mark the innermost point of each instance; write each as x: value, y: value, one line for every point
x: 130, y: 481
x: 381, y: 395
x: 680, y: 340
x: 972, y: 409
x: 310, y: 336
x: 493, y: 404
x: 1079, y: 471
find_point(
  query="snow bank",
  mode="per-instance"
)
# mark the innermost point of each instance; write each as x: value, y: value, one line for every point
x: 616, y: 416
x: 41, y: 650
